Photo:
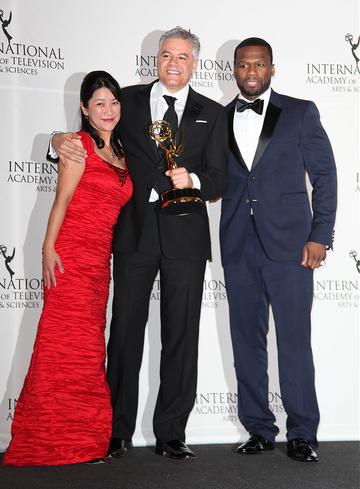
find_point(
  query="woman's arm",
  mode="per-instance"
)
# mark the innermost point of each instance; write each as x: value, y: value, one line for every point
x: 68, y: 179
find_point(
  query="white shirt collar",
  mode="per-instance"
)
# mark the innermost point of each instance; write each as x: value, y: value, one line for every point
x: 264, y: 96
x: 181, y: 95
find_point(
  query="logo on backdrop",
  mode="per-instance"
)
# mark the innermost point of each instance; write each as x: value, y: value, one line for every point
x: 222, y: 404
x: 42, y: 175
x: 11, y: 405
x: 20, y: 58
x: 225, y: 404
x: 275, y: 402
x: 4, y: 24
x: 340, y: 293
x: 340, y: 75
x: 8, y: 259
x: 211, y: 71
x: 349, y: 38
x: 155, y: 293
x: 214, y: 293
x: 353, y: 254
x: 20, y: 293
x: 17, y: 292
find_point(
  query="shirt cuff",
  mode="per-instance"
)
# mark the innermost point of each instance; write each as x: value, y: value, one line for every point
x: 51, y: 152
x: 196, y: 180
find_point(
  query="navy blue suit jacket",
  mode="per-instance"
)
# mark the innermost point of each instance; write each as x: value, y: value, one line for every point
x: 292, y: 143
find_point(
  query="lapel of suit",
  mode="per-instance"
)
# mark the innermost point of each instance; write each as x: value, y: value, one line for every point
x: 232, y: 141
x: 271, y: 118
x: 192, y: 109
x: 144, y: 115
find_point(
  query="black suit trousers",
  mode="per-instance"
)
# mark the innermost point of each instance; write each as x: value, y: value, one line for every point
x: 181, y: 284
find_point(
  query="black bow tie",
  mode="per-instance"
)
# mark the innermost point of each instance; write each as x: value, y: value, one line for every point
x: 256, y: 106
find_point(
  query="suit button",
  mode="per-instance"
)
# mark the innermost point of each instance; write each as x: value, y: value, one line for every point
x: 247, y: 201
x: 251, y: 178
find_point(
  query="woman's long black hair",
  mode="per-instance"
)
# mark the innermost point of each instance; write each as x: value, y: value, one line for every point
x: 92, y: 82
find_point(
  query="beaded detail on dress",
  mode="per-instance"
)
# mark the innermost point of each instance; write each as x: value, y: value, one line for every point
x: 121, y: 172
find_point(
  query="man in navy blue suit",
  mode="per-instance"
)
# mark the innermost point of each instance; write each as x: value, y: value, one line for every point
x: 271, y: 241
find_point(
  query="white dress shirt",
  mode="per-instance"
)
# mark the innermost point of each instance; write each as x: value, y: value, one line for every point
x: 159, y: 106
x: 247, y: 128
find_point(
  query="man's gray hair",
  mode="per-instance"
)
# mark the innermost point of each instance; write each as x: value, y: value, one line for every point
x: 180, y: 33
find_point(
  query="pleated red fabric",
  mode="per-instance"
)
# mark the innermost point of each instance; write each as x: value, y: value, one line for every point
x: 63, y: 414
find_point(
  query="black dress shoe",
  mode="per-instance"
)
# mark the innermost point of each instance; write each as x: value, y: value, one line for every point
x: 300, y: 449
x: 118, y: 447
x: 174, y: 449
x: 255, y: 444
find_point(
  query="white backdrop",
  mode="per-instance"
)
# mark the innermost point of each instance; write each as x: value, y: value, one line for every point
x: 52, y: 45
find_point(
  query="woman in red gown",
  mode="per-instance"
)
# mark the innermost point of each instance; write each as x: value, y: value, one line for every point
x: 63, y: 415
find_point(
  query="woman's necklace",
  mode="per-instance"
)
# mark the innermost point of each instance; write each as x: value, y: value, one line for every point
x: 112, y: 154
x: 116, y: 161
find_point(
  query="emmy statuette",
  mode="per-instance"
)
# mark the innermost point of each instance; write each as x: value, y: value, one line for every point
x: 178, y: 201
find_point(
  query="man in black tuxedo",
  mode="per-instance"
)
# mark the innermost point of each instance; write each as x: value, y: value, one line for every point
x: 271, y: 241
x: 148, y: 241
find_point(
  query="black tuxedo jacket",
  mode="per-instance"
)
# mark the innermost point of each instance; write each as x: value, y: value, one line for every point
x: 291, y: 144
x: 204, y: 129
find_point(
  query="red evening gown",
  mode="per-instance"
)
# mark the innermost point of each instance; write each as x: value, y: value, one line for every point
x: 63, y: 415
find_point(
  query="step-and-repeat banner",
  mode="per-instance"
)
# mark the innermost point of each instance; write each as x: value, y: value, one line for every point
x: 45, y: 50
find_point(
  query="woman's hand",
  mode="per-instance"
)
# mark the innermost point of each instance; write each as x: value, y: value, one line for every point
x: 50, y: 260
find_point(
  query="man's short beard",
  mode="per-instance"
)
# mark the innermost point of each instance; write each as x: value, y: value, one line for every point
x: 255, y: 93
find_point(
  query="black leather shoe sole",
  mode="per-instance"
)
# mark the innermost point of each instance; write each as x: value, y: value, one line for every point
x: 173, y: 455
x: 298, y: 458
x: 303, y: 459
x: 249, y: 451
